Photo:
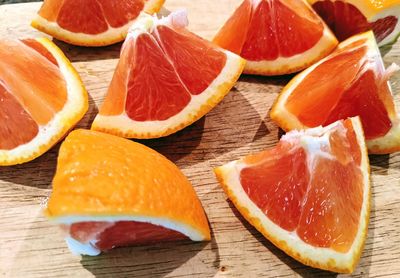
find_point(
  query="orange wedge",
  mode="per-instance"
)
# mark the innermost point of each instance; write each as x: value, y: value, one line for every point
x: 276, y: 37
x: 309, y: 195
x: 109, y: 192
x: 350, y: 17
x: 91, y: 22
x: 41, y: 98
x: 166, y: 79
x: 350, y: 82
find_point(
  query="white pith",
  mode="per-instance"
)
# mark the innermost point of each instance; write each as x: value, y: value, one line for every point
x: 390, y: 140
x: 374, y: 10
x: 74, y: 107
x: 89, y: 248
x: 204, y: 101
x: 295, y: 62
x: 309, y: 254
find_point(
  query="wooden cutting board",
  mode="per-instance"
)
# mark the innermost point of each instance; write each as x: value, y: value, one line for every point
x: 239, y: 125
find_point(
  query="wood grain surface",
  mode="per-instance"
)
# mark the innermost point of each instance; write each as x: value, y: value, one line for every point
x: 239, y: 125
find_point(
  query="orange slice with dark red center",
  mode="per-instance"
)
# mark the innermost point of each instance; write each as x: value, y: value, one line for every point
x: 41, y: 98
x: 110, y: 192
x: 309, y: 195
x: 352, y: 81
x: 91, y: 22
x: 276, y: 36
x: 166, y: 79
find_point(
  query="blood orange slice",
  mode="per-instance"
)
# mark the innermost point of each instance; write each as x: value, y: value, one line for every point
x: 91, y: 22
x: 276, y: 36
x: 41, y: 98
x: 109, y: 192
x: 309, y: 195
x: 166, y: 79
x: 350, y: 82
x: 350, y: 17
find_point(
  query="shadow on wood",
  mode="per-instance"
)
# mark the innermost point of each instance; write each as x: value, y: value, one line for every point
x: 267, y: 80
x: 85, y: 54
x: 178, y: 145
x: 92, y: 112
x: 379, y: 164
x: 155, y: 260
x: 215, y: 134
x: 298, y: 267
x: 37, y: 173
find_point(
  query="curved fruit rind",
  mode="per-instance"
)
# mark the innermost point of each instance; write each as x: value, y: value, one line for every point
x: 72, y: 112
x: 228, y: 176
x: 150, y: 188
x: 287, y: 121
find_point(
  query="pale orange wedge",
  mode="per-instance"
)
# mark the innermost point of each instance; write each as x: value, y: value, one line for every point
x: 41, y: 98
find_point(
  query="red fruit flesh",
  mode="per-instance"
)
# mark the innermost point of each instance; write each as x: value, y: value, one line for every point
x: 345, y: 90
x: 196, y: 60
x: 282, y: 203
x: 119, y: 13
x: 281, y: 29
x: 122, y: 233
x: 345, y: 20
x: 154, y: 91
x: 72, y: 18
x: 234, y: 33
x: 321, y: 204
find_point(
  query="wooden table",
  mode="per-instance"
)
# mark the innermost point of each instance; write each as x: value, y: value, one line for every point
x: 31, y: 247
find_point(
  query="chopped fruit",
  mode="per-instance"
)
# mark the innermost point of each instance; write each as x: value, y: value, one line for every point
x: 309, y: 195
x: 350, y: 17
x: 41, y: 98
x: 109, y: 192
x: 350, y: 82
x: 166, y: 79
x: 91, y: 22
x: 276, y: 36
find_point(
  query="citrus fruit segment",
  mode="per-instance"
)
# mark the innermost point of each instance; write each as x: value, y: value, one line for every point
x: 276, y: 36
x: 91, y: 22
x: 166, y: 79
x: 352, y: 81
x: 309, y: 195
x: 350, y: 17
x: 41, y: 98
x: 109, y: 191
